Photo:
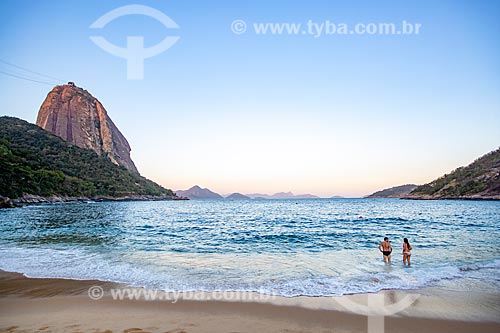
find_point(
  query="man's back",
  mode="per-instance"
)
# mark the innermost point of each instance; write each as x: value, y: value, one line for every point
x: 386, y: 246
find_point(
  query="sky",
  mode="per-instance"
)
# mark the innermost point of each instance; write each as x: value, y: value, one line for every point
x: 246, y: 112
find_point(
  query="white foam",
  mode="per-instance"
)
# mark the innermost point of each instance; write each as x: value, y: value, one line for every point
x: 186, y: 275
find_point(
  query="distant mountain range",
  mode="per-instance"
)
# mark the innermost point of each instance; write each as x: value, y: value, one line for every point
x: 394, y: 192
x: 478, y: 180
x: 282, y: 195
x: 196, y: 192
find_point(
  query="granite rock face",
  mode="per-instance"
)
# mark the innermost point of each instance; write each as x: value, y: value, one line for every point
x: 73, y: 114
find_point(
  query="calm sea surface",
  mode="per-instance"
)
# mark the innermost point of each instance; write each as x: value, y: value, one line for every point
x: 283, y: 247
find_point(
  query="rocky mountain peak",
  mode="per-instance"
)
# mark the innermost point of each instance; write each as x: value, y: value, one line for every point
x: 73, y: 114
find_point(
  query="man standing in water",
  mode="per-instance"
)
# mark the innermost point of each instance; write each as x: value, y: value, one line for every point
x: 386, y: 249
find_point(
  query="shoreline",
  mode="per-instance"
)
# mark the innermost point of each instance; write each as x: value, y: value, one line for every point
x: 466, y: 198
x: 27, y: 200
x: 33, y: 304
x: 30, y: 199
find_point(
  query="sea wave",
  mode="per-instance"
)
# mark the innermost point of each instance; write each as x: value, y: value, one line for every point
x: 81, y: 264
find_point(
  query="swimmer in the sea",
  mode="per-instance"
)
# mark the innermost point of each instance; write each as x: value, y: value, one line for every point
x: 386, y: 249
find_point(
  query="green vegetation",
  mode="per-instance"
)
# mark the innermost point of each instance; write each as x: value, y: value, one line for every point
x: 393, y: 192
x: 482, y: 177
x: 34, y: 161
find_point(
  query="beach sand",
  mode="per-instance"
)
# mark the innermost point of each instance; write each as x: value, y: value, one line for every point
x: 57, y: 305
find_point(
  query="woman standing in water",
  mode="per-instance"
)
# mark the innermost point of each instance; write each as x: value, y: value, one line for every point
x: 406, y: 251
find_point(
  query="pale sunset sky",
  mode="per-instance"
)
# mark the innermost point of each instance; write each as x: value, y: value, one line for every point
x: 329, y: 115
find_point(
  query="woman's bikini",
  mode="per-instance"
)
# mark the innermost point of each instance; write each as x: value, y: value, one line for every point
x: 407, y: 252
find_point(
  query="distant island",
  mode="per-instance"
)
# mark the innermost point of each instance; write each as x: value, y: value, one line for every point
x: 478, y: 180
x: 394, y: 192
x: 237, y: 196
x: 198, y: 193
x: 282, y: 195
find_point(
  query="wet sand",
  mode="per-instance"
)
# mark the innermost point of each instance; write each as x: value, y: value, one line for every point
x: 57, y: 305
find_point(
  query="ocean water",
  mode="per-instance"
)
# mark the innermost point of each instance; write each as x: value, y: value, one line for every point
x: 317, y: 247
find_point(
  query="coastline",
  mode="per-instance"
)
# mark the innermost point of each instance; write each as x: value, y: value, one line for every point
x: 471, y: 197
x: 34, y: 304
x: 30, y: 199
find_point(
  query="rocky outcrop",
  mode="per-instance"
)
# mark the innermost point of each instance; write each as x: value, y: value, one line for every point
x: 73, y: 114
x: 5, y: 202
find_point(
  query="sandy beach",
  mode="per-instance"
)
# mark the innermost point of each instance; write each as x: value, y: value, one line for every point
x: 57, y: 305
